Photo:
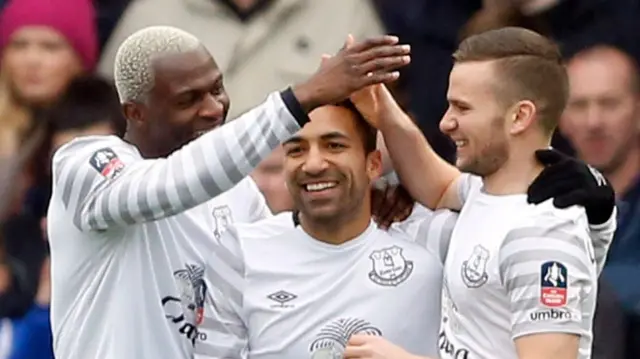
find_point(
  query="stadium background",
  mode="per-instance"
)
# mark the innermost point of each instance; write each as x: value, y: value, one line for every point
x: 55, y: 85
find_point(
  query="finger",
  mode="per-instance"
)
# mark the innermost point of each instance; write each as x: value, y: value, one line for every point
x: 385, y: 64
x: 540, y: 194
x: 355, y: 352
x: 381, y: 52
x: 578, y: 197
x: 324, y: 59
x: 350, y: 41
x: 550, y: 156
x: 359, y: 339
x: 385, y: 40
x: 378, y: 78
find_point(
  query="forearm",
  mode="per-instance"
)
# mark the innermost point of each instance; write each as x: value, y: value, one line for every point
x: 203, y: 169
x: 424, y: 174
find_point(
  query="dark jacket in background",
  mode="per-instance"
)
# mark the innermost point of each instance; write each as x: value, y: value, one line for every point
x: 26, y: 250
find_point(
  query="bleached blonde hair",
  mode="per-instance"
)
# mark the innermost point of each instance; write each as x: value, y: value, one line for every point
x: 133, y: 68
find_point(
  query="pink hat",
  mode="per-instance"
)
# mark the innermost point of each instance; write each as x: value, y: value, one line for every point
x: 74, y: 19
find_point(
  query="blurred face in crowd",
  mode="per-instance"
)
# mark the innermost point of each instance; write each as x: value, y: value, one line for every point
x: 188, y: 99
x: 59, y: 138
x: 39, y: 63
x: 328, y: 170
x: 271, y: 180
x: 475, y: 119
x: 602, y: 119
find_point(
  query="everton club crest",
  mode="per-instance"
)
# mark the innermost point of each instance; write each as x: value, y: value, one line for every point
x: 390, y: 268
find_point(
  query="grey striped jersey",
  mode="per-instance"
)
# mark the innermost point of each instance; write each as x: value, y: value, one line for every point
x: 127, y: 268
x: 281, y: 294
x: 515, y: 269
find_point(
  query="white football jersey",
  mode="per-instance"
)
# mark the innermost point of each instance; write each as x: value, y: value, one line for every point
x: 127, y: 278
x: 280, y: 293
x: 515, y: 269
x: 244, y: 203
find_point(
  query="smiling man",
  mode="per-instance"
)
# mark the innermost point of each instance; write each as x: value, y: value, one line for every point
x: 291, y: 291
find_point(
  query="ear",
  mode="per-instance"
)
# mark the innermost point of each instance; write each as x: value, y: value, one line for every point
x: 521, y: 116
x: 374, y: 165
x: 134, y: 112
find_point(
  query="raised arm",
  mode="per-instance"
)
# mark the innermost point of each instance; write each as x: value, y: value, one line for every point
x: 118, y: 192
x: 106, y: 183
x: 225, y: 333
x: 431, y: 180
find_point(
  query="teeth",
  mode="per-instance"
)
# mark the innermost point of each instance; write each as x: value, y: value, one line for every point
x: 460, y: 143
x: 320, y: 186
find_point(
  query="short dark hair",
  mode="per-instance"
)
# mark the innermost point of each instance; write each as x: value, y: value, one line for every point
x: 368, y: 134
x: 88, y: 100
x: 529, y: 66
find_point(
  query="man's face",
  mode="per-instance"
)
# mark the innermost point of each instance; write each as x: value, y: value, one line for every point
x: 602, y: 117
x: 271, y: 180
x: 328, y: 172
x: 475, y: 120
x: 187, y: 100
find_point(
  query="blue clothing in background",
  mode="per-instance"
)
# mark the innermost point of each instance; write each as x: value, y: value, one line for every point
x: 28, y: 337
x: 623, y: 262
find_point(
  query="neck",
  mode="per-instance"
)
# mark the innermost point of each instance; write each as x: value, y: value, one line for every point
x: 145, y: 151
x: 623, y: 177
x: 337, y: 231
x: 516, y: 175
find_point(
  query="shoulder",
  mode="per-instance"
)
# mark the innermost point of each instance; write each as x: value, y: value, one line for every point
x: 265, y: 228
x: 91, y: 149
x: 549, y: 232
x: 545, y: 219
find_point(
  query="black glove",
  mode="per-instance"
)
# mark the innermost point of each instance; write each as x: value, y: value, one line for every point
x: 572, y: 182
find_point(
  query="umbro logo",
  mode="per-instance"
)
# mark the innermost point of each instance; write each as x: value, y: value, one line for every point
x: 282, y: 298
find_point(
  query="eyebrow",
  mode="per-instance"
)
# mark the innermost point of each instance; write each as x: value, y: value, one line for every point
x: 335, y: 135
x: 217, y: 80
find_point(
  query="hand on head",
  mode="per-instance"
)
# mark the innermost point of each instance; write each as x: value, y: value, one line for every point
x: 354, y: 67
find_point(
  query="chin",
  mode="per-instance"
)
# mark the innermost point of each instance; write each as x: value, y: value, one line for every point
x: 321, y: 213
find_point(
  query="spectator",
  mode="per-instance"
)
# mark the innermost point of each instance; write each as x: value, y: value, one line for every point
x: 602, y: 122
x: 90, y: 106
x: 270, y: 178
x: 27, y: 337
x: 43, y: 44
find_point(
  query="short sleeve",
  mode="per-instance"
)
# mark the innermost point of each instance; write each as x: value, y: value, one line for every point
x: 549, y: 277
x: 430, y: 229
x: 466, y: 184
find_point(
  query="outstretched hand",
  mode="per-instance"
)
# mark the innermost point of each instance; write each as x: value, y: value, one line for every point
x: 355, y: 66
x: 572, y: 182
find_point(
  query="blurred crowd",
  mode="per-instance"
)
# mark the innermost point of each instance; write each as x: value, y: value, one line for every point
x: 56, y: 61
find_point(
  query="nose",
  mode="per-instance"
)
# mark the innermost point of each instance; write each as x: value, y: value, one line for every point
x: 314, y: 163
x: 32, y: 55
x: 448, y: 123
x: 593, y: 117
x: 212, y: 108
